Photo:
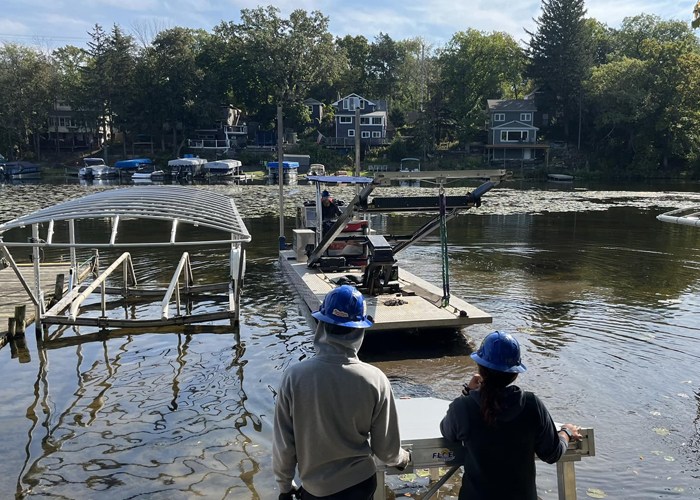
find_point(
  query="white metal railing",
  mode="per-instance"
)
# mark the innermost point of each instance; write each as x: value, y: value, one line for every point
x: 208, y: 143
x: 128, y: 269
x: 174, y: 287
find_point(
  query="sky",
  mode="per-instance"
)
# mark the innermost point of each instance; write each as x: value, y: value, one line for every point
x: 49, y: 24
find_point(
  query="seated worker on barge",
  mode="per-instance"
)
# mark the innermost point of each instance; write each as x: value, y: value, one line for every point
x: 334, y: 412
x: 502, y: 427
x: 329, y: 210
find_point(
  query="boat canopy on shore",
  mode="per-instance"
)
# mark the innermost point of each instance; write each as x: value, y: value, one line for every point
x: 195, y: 209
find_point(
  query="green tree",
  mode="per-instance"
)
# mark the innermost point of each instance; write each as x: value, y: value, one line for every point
x: 474, y: 67
x: 560, y: 60
x: 68, y: 62
x: 644, y: 102
x: 281, y: 59
x: 174, y: 79
x: 27, y: 92
x: 385, y: 58
x: 354, y: 77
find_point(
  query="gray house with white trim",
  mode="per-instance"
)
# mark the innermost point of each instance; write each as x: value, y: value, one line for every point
x: 373, y: 120
x: 512, y: 134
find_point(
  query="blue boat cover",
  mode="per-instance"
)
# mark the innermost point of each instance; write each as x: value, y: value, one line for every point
x: 285, y: 164
x: 135, y: 163
x: 340, y: 179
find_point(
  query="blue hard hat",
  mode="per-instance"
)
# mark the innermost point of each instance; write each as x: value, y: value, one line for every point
x: 325, y: 194
x: 501, y: 352
x: 344, y: 306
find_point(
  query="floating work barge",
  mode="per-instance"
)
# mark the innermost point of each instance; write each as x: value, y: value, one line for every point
x: 198, y: 210
x: 347, y: 250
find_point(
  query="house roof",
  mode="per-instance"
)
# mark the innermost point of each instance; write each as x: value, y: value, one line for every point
x: 515, y: 125
x: 512, y: 105
x: 353, y: 95
x: 312, y: 101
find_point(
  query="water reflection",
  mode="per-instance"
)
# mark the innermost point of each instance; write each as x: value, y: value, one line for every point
x: 604, y: 299
x: 142, y: 418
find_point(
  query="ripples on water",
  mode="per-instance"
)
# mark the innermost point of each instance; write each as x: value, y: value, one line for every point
x: 603, y: 297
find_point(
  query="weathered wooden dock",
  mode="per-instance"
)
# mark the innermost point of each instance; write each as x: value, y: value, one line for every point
x: 13, y: 294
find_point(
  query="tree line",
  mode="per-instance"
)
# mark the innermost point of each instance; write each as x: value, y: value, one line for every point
x: 627, y: 97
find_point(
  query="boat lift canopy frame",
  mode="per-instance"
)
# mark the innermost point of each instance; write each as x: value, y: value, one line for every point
x: 176, y: 204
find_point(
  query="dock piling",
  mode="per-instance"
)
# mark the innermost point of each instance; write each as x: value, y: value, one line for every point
x: 20, y: 320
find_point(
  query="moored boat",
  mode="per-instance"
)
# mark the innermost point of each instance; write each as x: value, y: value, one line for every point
x: 19, y: 170
x: 290, y: 170
x: 148, y: 173
x: 96, y: 168
x: 228, y: 169
x: 560, y: 177
x: 189, y: 166
x: 133, y: 164
x: 347, y: 250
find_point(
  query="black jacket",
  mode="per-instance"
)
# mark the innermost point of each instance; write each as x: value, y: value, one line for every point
x: 499, y: 460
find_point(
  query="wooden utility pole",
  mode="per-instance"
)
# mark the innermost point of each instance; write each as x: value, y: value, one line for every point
x: 357, y: 140
x: 280, y: 173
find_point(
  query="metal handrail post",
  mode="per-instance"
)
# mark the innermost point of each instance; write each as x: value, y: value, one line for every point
x: 174, y: 286
x: 177, y: 296
x: 97, y: 282
x: 36, y: 258
x: 103, y: 300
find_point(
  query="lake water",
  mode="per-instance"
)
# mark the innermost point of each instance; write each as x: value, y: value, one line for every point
x: 604, y: 299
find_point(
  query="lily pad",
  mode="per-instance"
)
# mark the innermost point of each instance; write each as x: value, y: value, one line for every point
x: 408, y: 477
x: 596, y: 493
x: 669, y: 458
x: 661, y: 431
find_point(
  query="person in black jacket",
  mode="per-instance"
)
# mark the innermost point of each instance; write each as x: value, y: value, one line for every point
x: 501, y: 427
x: 329, y: 208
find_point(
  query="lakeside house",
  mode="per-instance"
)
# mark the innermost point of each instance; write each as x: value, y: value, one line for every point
x: 512, y: 134
x: 374, y: 119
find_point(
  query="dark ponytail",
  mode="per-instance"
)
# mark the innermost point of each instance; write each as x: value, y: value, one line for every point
x: 492, y: 384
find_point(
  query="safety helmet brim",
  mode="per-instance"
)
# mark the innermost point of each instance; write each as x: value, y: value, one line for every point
x: 366, y: 323
x: 519, y: 368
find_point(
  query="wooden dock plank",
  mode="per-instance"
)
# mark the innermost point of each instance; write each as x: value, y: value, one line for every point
x: 13, y: 294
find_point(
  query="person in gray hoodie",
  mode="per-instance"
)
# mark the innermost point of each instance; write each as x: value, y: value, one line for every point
x: 502, y: 427
x: 334, y: 413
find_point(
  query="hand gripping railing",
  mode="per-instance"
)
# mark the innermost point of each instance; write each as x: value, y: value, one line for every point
x: 174, y: 287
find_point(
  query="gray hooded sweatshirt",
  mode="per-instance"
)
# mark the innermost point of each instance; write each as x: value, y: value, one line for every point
x: 328, y: 407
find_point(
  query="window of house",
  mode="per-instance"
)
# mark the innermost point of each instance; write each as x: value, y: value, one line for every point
x: 376, y: 134
x: 351, y: 132
x: 364, y: 120
x: 365, y: 134
x: 376, y: 120
x: 525, y: 117
x: 351, y: 103
x: 513, y: 135
x: 499, y: 117
x: 346, y: 119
